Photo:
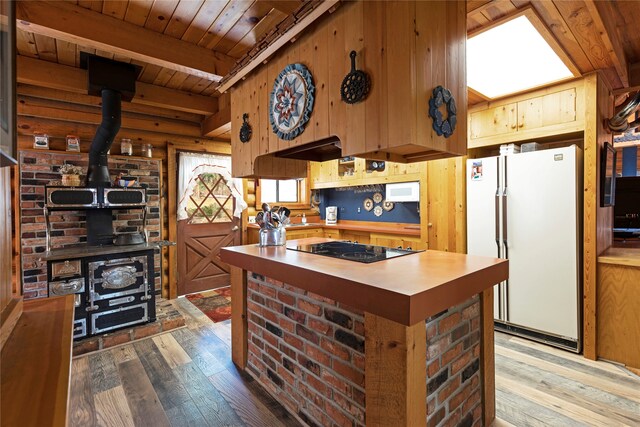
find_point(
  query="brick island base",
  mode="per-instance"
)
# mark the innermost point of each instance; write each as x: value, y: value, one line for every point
x: 334, y: 365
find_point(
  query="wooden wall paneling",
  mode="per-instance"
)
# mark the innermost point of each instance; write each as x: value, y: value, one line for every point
x: 253, y: 108
x: 305, y: 56
x: 27, y: 126
x: 597, y: 221
x: 376, y: 135
x: 241, y: 160
x: 431, y: 36
x: 354, y: 132
x: 618, y: 326
x: 262, y: 125
x: 401, y: 67
x: 46, y: 48
x: 276, y: 65
x: 337, y: 71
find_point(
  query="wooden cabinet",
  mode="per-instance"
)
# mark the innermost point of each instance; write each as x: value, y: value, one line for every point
x: 303, y: 233
x: 553, y: 111
x: 327, y: 174
x: 406, y: 51
x: 397, y: 241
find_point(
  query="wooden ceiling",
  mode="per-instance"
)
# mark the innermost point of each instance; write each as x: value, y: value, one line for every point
x: 190, y: 45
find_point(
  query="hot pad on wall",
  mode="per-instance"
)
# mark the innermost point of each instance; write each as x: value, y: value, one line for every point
x: 291, y: 101
x: 441, y: 125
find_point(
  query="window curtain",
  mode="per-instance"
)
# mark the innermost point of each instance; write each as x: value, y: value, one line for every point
x: 193, y: 164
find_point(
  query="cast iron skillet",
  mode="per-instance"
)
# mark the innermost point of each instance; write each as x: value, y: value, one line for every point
x: 355, y: 85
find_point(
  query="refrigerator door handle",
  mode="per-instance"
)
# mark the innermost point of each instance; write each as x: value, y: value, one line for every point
x: 497, y: 216
x: 505, y: 235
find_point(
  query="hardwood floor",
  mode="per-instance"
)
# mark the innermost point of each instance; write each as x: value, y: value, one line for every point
x: 186, y: 378
x: 537, y: 385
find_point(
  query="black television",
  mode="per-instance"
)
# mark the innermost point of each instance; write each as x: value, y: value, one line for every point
x: 627, y: 208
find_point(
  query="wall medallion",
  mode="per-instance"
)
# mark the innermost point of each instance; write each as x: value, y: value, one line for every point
x: 291, y: 101
x: 442, y: 126
x: 245, y: 129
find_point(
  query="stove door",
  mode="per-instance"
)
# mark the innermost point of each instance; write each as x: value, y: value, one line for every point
x: 117, y: 278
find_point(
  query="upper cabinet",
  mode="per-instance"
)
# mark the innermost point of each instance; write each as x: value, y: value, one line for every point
x: 549, y: 112
x: 407, y: 49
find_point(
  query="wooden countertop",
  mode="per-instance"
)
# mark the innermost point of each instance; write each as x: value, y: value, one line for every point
x: 621, y: 256
x: 372, y: 227
x: 36, y: 364
x: 405, y: 289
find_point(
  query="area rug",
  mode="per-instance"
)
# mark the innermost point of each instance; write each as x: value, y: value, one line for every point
x: 216, y: 303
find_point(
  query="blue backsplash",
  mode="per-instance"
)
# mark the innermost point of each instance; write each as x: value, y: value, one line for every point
x: 348, y: 202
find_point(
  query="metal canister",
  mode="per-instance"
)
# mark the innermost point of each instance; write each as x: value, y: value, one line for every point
x: 125, y: 147
x: 146, y: 150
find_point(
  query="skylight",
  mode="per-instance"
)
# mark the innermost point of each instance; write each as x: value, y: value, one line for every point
x: 512, y: 57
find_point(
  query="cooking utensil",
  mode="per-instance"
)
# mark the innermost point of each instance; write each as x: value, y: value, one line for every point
x: 128, y: 239
x: 355, y: 85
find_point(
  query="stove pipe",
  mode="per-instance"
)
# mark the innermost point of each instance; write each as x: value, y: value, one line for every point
x: 115, y: 82
x: 98, y: 174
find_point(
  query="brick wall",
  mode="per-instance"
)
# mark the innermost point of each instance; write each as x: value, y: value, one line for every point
x: 453, y: 366
x: 38, y: 169
x: 308, y: 351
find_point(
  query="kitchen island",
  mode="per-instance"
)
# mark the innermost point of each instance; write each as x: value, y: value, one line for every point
x: 405, y: 341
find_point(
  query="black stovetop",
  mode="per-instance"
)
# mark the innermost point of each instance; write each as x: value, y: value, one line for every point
x: 352, y: 251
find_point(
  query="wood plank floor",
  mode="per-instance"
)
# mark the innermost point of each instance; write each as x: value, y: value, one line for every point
x: 186, y: 378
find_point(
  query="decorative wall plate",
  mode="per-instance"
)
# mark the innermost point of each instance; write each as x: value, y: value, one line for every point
x: 387, y: 206
x: 368, y: 204
x: 291, y: 101
x: 377, y: 211
x: 441, y: 125
x: 377, y: 197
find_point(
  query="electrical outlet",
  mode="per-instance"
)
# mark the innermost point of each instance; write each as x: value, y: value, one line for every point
x: 358, y: 210
x: 252, y: 219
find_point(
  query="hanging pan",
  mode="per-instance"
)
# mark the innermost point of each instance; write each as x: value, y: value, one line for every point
x: 355, y: 85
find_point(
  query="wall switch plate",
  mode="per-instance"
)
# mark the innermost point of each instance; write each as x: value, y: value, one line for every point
x: 252, y: 219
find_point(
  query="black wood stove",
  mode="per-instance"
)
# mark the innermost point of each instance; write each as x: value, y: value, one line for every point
x: 114, y: 286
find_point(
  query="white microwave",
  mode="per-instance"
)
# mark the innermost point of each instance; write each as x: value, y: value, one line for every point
x: 403, y: 192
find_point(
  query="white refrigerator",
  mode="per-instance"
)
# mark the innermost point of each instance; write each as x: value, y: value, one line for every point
x: 525, y: 207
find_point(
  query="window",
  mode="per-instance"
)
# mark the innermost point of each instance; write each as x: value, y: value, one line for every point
x: 289, y: 192
x: 515, y: 56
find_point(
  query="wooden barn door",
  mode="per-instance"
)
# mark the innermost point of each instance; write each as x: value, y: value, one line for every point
x: 209, y: 227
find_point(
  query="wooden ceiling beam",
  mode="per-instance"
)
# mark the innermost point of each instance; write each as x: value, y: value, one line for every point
x: 80, y: 99
x: 284, y: 6
x: 220, y: 122
x: 605, y: 21
x: 327, y: 5
x: 634, y: 80
x: 68, y: 22
x: 55, y: 76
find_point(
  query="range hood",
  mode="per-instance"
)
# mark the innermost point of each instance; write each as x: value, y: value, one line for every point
x: 317, y: 151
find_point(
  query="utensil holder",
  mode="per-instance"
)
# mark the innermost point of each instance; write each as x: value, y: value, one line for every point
x: 272, y: 237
